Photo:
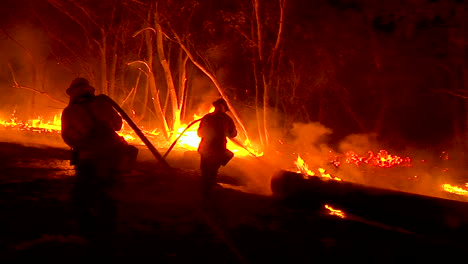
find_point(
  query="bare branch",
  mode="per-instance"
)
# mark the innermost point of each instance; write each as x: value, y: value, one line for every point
x: 142, y: 62
x: 213, y: 79
x: 86, y: 12
x: 62, y: 9
x: 280, y: 29
x: 458, y: 92
x: 60, y: 40
x: 141, y: 30
x: 17, y: 43
x: 19, y: 86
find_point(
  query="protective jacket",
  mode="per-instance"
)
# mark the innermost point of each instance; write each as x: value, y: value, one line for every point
x: 89, y: 124
x: 213, y: 130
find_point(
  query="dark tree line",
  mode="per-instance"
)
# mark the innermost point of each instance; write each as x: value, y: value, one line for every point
x: 393, y: 68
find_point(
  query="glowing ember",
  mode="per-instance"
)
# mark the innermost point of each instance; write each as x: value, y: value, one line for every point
x: 455, y: 189
x: 335, y: 212
x: 304, y: 169
x: 382, y: 159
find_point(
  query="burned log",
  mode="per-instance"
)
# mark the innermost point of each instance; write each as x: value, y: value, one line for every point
x: 425, y: 215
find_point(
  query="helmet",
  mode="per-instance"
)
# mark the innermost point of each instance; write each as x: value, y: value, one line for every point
x: 80, y: 86
x: 219, y: 102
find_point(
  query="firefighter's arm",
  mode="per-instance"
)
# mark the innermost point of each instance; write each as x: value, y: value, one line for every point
x: 116, y: 120
x: 107, y: 113
x: 231, y: 129
x: 201, y: 131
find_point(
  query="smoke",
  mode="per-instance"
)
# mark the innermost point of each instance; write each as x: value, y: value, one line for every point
x: 424, y: 173
x: 26, y: 60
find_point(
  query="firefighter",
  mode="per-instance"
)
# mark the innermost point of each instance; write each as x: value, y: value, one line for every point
x: 213, y: 130
x: 89, y: 125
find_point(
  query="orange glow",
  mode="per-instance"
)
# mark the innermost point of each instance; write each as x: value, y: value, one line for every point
x: 189, y: 140
x: 382, y: 159
x: 455, y: 189
x: 335, y: 212
x: 304, y: 169
x: 37, y: 125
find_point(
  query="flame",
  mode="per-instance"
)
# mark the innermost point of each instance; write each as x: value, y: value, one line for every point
x: 304, y: 169
x: 455, y: 189
x: 190, y: 140
x: 335, y: 212
x: 38, y: 124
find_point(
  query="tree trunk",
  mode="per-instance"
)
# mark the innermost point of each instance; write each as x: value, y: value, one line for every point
x: 155, y: 98
x: 112, y: 73
x: 167, y: 73
x: 261, y: 72
x: 215, y: 82
x: 103, y: 64
x: 183, y: 58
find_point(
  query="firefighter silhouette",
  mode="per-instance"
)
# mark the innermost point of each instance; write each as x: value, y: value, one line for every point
x: 213, y: 130
x: 89, y: 125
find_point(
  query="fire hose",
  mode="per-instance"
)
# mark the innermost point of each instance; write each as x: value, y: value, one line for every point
x: 191, y: 124
x: 137, y: 130
x: 161, y: 159
x: 177, y: 139
x: 244, y: 147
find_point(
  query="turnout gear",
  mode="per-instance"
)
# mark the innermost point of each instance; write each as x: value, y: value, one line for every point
x: 213, y: 130
x: 89, y: 127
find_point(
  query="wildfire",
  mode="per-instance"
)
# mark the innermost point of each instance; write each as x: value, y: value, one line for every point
x: 335, y: 212
x: 455, y: 189
x: 37, y: 125
x: 304, y: 169
x: 189, y: 140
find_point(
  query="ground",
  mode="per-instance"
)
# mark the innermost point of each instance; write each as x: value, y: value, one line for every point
x: 161, y: 215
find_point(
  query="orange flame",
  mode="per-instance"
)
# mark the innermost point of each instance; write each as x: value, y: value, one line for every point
x: 304, y: 169
x: 190, y: 140
x: 455, y: 189
x: 38, y: 124
x: 335, y: 212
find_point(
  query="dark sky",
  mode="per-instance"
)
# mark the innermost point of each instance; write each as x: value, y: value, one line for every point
x: 383, y: 52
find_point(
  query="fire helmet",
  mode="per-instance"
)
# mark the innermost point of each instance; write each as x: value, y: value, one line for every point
x: 81, y: 86
x: 221, y: 101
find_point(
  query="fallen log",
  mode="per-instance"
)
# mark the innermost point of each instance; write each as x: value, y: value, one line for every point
x: 421, y: 214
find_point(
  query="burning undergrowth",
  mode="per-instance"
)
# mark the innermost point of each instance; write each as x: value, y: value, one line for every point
x: 358, y: 158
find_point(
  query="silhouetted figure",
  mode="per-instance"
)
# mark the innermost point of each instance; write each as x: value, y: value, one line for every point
x: 213, y: 130
x: 89, y: 125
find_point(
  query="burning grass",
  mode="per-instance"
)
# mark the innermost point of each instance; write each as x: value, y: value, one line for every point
x: 379, y: 168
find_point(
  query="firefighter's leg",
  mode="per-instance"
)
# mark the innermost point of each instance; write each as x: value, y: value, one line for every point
x: 106, y: 203
x: 209, y: 171
x: 83, y: 196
